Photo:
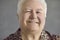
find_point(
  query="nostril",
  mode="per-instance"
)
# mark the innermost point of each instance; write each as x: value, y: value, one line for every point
x: 32, y: 17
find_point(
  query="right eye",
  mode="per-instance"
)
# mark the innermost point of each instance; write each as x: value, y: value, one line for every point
x: 28, y: 11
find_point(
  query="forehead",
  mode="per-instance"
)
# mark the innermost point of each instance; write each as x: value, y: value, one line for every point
x: 32, y: 5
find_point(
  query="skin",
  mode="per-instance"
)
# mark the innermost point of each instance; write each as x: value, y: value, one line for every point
x: 31, y: 20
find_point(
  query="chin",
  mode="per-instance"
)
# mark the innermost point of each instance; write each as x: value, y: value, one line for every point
x: 33, y: 29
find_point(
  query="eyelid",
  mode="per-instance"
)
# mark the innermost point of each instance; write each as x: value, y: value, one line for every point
x: 38, y: 11
x: 28, y: 10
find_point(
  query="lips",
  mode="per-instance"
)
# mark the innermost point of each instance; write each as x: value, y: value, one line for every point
x: 33, y: 22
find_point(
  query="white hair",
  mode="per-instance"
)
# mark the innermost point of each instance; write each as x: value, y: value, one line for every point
x: 21, y: 1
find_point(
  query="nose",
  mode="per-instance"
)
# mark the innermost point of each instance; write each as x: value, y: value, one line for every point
x: 33, y: 15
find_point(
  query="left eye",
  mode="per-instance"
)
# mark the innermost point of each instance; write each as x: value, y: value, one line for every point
x: 28, y: 11
x: 37, y: 12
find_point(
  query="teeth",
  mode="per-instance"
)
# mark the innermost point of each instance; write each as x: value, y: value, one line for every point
x: 31, y: 22
x: 37, y: 22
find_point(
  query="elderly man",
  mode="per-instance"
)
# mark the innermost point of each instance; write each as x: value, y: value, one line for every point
x: 31, y: 16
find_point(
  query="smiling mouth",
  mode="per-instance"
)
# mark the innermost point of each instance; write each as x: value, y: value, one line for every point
x: 33, y: 22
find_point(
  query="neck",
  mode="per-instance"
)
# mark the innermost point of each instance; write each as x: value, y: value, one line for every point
x: 27, y: 36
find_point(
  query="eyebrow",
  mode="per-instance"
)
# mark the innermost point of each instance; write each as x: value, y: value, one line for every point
x: 31, y: 8
x: 36, y: 9
x: 39, y: 9
x: 27, y: 8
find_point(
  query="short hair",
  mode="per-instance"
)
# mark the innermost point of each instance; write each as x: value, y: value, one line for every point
x: 21, y: 1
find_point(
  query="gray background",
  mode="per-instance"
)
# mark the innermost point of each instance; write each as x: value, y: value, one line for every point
x: 9, y: 21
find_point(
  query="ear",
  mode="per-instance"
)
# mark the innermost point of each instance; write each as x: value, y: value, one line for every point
x: 17, y: 15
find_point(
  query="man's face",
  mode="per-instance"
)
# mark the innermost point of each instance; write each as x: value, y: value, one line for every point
x: 32, y: 16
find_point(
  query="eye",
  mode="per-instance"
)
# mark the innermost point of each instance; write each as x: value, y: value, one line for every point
x: 38, y: 12
x: 28, y: 11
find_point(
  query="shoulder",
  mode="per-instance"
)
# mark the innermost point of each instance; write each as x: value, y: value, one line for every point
x: 56, y: 37
x: 45, y: 35
x: 52, y: 36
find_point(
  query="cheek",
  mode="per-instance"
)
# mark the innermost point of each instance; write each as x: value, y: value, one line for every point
x: 26, y: 16
x: 41, y: 17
